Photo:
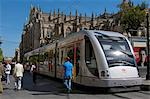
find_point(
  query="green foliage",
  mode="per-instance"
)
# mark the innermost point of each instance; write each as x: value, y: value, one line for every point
x: 125, y: 6
x: 41, y: 58
x: 38, y: 58
x: 1, y: 54
x: 33, y: 59
x: 132, y: 17
x: 25, y: 59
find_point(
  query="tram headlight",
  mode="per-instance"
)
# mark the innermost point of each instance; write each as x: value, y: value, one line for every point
x: 102, y: 73
x: 105, y: 73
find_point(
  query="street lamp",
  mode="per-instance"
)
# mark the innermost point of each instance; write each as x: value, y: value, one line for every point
x: 148, y: 67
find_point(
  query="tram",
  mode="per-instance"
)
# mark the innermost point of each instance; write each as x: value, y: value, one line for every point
x: 100, y: 58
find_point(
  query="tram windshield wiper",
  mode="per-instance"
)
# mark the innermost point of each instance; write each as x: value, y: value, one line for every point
x: 119, y: 63
x: 125, y: 52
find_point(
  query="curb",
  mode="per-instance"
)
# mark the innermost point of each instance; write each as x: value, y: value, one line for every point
x: 146, y: 85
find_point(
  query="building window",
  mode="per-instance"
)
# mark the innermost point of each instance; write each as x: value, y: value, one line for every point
x: 68, y: 30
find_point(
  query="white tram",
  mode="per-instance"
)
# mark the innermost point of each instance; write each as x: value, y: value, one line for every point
x: 100, y: 58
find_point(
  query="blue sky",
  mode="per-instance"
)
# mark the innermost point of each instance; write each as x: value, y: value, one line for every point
x: 13, y: 14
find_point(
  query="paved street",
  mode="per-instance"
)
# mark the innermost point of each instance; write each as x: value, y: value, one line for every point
x: 51, y: 89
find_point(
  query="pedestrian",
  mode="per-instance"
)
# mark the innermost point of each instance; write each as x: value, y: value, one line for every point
x: 33, y: 70
x: 18, y: 74
x: 68, y: 66
x: 7, y: 72
x: 1, y: 74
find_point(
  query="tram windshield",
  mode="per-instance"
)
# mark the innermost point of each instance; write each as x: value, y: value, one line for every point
x: 117, y: 51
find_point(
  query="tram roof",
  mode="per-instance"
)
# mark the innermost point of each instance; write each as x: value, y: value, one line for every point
x: 108, y: 33
x: 90, y: 32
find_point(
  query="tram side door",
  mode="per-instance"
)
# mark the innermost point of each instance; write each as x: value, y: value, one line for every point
x: 74, y: 53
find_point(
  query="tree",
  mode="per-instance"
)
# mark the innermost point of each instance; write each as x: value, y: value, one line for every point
x: 143, y: 5
x: 132, y: 17
x: 1, y: 54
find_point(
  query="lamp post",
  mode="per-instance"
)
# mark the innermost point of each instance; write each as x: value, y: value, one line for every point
x: 148, y: 67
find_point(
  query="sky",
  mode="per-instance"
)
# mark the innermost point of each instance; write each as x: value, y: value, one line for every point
x: 14, y: 14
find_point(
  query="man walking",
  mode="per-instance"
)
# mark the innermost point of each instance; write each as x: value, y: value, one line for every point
x: 18, y: 74
x: 68, y: 66
x: 7, y: 72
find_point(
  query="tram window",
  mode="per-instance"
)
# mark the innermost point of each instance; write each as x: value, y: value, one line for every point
x: 70, y: 53
x: 90, y: 57
x: 77, y: 59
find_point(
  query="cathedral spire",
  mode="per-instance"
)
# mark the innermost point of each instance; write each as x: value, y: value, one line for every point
x: 92, y: 18
x: 58, y: 13
x: 50, y: 15
x: 105, y: 10
x: 80, y: 18
x: 54, y: 13
x: 65, y: 17
x: 92, y: 21
x: 85, y: 18
x: 62, y: 15
x: 58, y: 16
x: 76, y: 14
x: 70, y: 15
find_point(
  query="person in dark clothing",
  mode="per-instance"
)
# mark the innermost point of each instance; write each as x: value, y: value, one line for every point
x: 33, y: 70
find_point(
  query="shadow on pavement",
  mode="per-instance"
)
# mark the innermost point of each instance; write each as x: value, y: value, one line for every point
x: 42, y: 85
x: 47, y: 86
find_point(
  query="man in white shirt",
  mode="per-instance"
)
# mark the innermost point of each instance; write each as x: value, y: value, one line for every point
x: 7, y: 72
x: 18, y: 74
